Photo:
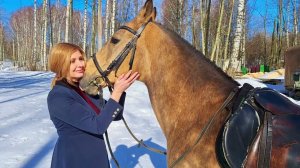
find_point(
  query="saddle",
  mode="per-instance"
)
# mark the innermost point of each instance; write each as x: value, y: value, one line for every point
x: 262, y: 131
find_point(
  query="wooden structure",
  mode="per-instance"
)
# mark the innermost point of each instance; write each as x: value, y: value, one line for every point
x: 292, y: 66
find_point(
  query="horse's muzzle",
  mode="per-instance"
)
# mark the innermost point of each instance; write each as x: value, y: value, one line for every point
x: 91, y: 85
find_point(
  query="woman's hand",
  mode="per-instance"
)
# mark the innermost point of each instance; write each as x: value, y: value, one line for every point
x: 123, y: 82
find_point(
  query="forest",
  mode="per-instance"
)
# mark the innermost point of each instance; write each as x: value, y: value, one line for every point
x: 231, y: 33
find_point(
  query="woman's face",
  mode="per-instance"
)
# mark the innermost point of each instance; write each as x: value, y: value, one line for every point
x: 77, y: 67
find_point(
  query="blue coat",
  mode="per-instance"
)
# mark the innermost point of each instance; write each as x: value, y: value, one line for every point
x: 80, y: 130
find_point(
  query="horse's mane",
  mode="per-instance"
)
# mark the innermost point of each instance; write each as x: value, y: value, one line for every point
x: 197, y: 52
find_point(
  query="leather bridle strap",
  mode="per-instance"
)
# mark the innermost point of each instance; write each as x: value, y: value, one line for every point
x: 110, y: 86
x: 115, y: 64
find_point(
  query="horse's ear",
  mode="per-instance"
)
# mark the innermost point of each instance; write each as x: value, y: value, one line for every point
x: 147, y: 12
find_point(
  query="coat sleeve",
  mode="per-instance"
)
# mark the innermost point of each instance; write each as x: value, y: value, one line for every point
x: 122, y: 103
x: 65, y: 107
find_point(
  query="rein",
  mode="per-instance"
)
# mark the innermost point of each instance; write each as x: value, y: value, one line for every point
x: 206, y: 127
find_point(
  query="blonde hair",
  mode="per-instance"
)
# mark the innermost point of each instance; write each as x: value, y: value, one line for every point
x: 59, y: 60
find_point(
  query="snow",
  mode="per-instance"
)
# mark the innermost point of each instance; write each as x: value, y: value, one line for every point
x: 27, y: 135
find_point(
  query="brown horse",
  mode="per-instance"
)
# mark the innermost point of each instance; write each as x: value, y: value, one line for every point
x: 185, y: 88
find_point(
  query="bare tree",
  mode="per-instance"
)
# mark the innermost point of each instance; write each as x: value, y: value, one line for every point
x: 174, y: 16
x: 1, y: 42
x: 45, y: 7
x: 35, y: 36
x: 217, y: 39
x: 136, y: 7
x: 113, y: 17
x: 236, y: 58
x: 295, y: 42
x: 100, y: 25
x: 107, y: 20
x: 68, y: 20
x: 93, y: 41
x: 287, y: 24
x: 226, y: 59
x: 85, y: 24
x: 207, y: 25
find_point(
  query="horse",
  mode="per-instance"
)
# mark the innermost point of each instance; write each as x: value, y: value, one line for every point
x: 194, y: 101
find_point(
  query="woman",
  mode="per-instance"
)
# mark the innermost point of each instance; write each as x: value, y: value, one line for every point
x: 77, y: 116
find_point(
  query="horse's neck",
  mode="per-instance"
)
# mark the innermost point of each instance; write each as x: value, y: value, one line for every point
x: 183, y: 88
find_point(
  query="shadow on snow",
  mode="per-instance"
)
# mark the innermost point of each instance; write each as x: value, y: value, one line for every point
x: 128, y: 157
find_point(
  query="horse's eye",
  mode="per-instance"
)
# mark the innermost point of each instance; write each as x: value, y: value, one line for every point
x: 114, y: 40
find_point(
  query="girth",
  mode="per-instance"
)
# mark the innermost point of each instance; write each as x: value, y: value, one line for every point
x: 258, y: 131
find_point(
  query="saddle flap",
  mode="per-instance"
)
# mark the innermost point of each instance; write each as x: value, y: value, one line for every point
x: 239, y: 133
x: 274, y: 102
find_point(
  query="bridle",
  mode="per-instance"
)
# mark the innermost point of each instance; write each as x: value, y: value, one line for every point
x: 115, y: 64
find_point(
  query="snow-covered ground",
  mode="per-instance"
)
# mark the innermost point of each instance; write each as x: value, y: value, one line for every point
x: 27, y: 135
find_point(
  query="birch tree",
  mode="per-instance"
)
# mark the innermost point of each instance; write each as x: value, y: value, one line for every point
x: 202, y: 20
x: 35, y: 35
x: 236, y: 57
x: 93, y: 41
x: 113, y: 17
x: 107, y: 20
x: 100, y: 25
x: 68, y: 20
x: 45, y: 6
x: 85, y: 24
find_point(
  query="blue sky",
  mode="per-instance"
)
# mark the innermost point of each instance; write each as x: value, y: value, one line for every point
x: 7, y: 7
x: 257, y: 7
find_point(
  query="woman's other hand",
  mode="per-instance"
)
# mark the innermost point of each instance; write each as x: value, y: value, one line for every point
x: 123, y: 82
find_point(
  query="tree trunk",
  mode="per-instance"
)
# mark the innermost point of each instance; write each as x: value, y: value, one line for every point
x: 226, y: 59
x: 113, y: 17
x: 202, y: 19
x: 68, y: 20
x: 1, y: 42
x: 194, y: 33
x: 100, y: 25
x: 287, y: 25
x: 216, y: 44
x: 107, y: 22
x: 85, y: 25
x: 93, y: 27
x: 35, y: 34
x: 236, y: 57
x: 265, y: 60
x: 279, y: 34
x: 207, y: 26
x: 295, y: 23
x: 136, y: 7
x: 45, y: 6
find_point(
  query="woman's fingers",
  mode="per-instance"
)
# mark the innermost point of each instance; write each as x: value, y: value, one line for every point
x: 121, y: 77
x: 127, y: 75
x: 133, y: 77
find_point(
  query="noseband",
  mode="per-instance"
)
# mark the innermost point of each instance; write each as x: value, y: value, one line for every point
x: 115, y: 64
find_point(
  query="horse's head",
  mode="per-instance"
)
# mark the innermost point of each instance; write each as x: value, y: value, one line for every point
x: 123, y: 51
